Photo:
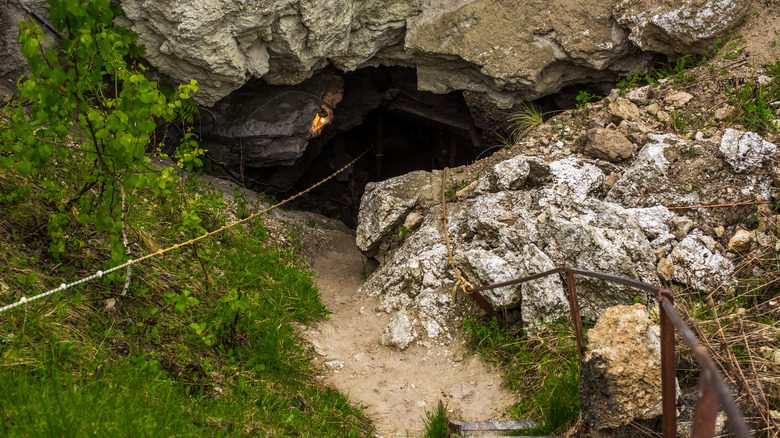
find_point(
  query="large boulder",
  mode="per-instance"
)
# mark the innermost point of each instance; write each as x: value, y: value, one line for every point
x: 675, y: 26
x: 487, y: 46
x: 548, y: 220
x: 621, y: 372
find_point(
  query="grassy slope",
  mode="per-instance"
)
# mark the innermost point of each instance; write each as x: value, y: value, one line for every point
x: 203, y: 343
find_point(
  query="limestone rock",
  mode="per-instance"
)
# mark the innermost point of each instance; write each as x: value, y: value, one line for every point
x: 399, y: 332
x: 678, y: 99
x: 487, y: 46
x: 512, y: 174
x: 686, y: 26
x: 624, y: 109
x: 621, y: 372
x: 740, y: 241
x: 639, y: 95
x: 505, y: 234
x: 14, y: 64
x: 698, y: 263
x: 655, y: 222
x: 385, y: 205
x: 608, y: 144
x: 746, y: 151
x: 334, y: 365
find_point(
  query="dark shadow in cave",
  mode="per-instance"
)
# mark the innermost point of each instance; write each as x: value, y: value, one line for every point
x: 382, y: 109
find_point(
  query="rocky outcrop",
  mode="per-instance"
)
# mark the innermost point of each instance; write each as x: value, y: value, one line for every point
x: 545, y: 215
x: 13, y: 65
x: 525, y: 214
x: 487, y: 46
x: 621, y: 372
x: 674, y: 26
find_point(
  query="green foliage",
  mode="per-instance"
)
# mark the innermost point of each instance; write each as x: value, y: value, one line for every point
x: 585, y: 97
x: 223, y: 356
x: 677, y: 70
x: 87, y: 101
x: 436, y: 424
x: 753, y: 102
x: 635, y: 80
x: 524, y: 120
x: 544, y: 368
x: 204, y: 342
x: 678, y: 122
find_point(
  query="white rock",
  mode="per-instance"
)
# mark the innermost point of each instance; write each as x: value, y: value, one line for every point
x: 639, y: 95
x: 334, y: 365
x: 399, y: 332
x: 385, y: 205
x: 746, y: 151
x: 698, y: 263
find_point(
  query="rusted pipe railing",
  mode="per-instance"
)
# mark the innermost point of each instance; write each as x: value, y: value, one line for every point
x: 713, y: 391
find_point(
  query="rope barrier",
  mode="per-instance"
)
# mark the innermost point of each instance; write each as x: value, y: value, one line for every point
x: 64, y: 286
x: 460, y: 281
x: 731, y: 204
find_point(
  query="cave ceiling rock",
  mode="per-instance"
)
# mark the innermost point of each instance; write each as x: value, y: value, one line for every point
x: 497, y: 47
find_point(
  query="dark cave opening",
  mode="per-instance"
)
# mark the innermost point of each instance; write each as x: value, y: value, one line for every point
x: 259, y: 139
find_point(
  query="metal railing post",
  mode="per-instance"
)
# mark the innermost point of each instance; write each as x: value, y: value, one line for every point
x: 668, y: 368
x: 574, y: 306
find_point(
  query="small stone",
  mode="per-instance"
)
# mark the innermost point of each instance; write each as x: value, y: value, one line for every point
x: 663, y: 117
x: 413, y: 220
x: 653, y: 108
x: 678, y: 99
x: 723, y: 113
x: 610, y: 180
x: 639, y: 95
x: 542, y: 218
x: 720, y: 231
x: 607, y: 144
x: 665, y: 269
x: 681, y: 226
x: 334, y: 365
x: 740, y: 241
x: 399, y: 332
x: 624, y: 109
x: 776, y: 357
x: 507, y: 218
x: 110, y: 304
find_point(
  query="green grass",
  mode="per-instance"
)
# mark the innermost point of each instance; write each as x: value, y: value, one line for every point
x: 203, y: 344
x: 523, y: 120
x: 543, y: 368
x: 436, y: 424
x: 756, y: 104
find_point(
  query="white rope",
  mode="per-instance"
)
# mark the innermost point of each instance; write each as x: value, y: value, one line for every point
x: 64, y: 286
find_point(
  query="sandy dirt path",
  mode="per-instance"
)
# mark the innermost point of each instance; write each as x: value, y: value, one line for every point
x: 395, y: 387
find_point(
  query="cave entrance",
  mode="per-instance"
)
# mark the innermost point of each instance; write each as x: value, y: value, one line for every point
x: 342, y: 115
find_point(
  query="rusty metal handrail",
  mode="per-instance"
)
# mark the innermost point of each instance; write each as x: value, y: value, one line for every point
x: 713, y: 389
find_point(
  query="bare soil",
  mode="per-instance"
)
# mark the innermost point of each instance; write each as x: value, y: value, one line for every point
x: 395, y: 387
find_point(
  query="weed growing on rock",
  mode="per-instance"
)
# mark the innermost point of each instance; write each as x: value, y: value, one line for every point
x: 524, y: 120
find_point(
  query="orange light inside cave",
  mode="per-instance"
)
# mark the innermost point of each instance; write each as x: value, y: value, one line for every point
x: 320, y: 120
